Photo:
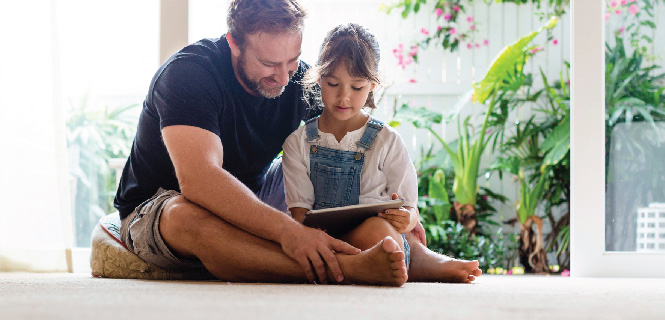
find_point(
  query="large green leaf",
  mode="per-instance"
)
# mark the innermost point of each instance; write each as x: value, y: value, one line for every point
x: 419, y: 117
x: 557, y: 145
x: 504, y: 64
x: 437, y: 190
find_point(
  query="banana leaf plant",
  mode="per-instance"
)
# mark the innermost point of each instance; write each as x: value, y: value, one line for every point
x: 505, y: 74
x: 547, y: 185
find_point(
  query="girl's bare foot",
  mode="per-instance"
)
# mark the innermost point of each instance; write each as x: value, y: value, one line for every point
x: 382, y: 264
x: 429, y: 266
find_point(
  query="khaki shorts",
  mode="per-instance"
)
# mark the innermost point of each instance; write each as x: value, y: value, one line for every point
x: 140, y: 232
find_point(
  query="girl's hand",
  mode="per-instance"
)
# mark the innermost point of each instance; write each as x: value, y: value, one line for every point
x: 398, y: 218
x: 419, y: 232
x: 298, y: 214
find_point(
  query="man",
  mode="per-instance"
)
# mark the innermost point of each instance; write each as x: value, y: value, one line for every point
x: 198, y: 190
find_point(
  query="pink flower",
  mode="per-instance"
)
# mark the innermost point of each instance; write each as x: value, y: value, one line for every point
x: 617, y: 12
x: 607, y: 16
x: 438, y: 12
x: 614, y: 3
x: 469, y: 45
x: 456, y: 8
x: 447, y: 16
x: 469, y: 19
x: 622, y: 29
x: 486, y: 42
x: 534, y: 50
x: 424, y: 31
x: 568, y: 82
x: 623, y: 2
x: 565, y: 273
x: 412, y: 80
x: 477, y: 45
x: 555, y: 42
x: 510, y: 272
x: 472, y: 27
x: 452, y: 31
x: 414, y: 51
x: 438, y: 28
x: 633, y: 9
x: 400, y: 61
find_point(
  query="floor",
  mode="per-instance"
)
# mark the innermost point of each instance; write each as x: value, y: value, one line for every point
x: 80, y: 296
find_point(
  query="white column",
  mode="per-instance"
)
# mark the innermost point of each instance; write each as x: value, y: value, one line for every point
x: 173, y: 26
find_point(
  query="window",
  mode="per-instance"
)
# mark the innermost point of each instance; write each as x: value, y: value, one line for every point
x: 107, y: 54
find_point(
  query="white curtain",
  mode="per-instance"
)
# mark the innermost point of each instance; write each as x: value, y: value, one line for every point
x: 35, y: 219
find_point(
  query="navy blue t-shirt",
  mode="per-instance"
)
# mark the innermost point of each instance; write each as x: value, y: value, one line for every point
x: 197, y: 87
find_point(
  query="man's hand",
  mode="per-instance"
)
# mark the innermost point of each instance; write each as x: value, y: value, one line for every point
x: 314, y: 250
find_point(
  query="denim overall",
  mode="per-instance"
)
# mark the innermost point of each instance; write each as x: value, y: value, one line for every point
x: 335, y: 174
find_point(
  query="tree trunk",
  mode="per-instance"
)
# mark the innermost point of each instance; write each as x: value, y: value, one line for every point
x: 466, y: 215
x: 532, y: 255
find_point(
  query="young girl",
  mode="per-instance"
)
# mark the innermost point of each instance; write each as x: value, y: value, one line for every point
x: 347, y: 157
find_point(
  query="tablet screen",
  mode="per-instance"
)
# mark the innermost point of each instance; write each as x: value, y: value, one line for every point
x: 340, y: 220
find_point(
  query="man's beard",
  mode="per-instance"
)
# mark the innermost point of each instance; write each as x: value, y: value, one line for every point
x: 256, y: 85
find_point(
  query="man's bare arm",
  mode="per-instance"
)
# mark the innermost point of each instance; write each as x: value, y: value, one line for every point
x: 197, y: 156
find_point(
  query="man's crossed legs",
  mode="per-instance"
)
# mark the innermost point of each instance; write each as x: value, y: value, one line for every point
x: 175, y: 234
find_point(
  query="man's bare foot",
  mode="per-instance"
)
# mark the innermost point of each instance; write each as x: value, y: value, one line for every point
x: 382, y: 264
x: 429, y: 266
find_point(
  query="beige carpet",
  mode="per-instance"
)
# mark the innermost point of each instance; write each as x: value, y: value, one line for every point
x: 77, y: 296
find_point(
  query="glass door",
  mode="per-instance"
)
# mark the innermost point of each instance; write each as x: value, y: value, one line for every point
x: 618, y: 139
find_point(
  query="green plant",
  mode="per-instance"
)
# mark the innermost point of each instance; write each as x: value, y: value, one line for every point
x: 451, y: 238
x: 503, y: 79
x: 94, y: 137
x: 633, y: 92
x: 537, y: 152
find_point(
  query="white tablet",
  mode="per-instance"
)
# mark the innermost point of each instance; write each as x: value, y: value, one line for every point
x: 342, y: 219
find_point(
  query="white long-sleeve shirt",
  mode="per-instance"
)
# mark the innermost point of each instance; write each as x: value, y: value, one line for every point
x: 387, y: 168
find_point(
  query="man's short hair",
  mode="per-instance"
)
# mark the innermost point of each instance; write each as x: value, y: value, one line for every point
x: 251, y: 16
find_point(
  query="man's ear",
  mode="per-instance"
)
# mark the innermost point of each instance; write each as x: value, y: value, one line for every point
x: 235, y: 50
